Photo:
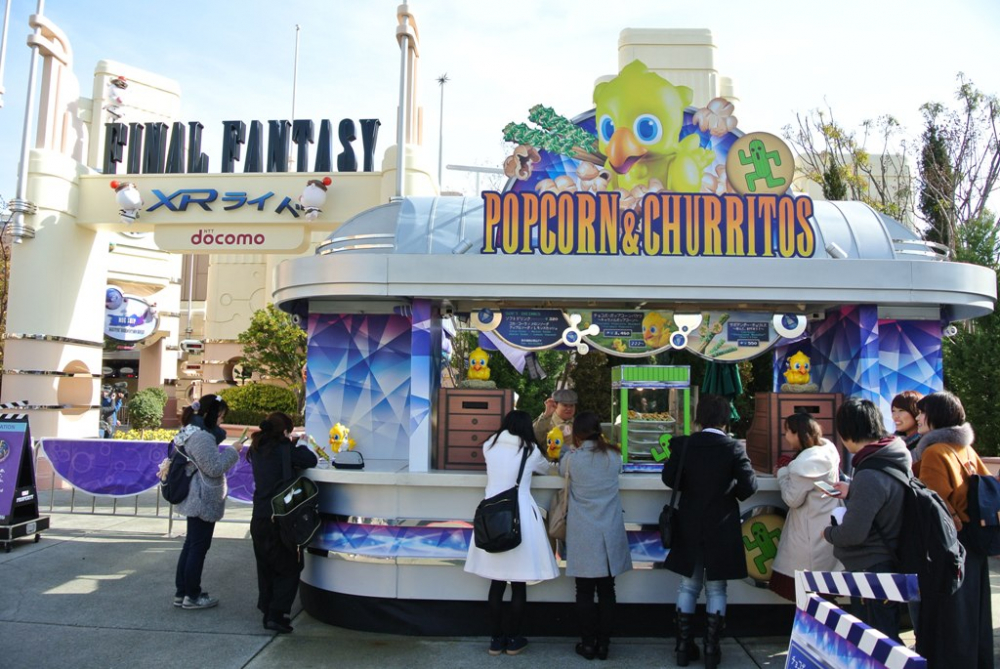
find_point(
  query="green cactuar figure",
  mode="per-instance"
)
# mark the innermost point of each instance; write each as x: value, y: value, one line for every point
x: 765, y: 542
x: 761, y: 159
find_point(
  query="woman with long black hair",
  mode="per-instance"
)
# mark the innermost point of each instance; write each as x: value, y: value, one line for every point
x: 532, y: 560
x: 278, y: 566
x: 206, y: 501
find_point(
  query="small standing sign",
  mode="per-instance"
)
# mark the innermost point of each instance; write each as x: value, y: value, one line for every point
x: 19, y: 515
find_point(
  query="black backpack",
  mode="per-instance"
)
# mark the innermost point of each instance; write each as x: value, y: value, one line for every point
x: 928, y: 542
x: 177, y: 482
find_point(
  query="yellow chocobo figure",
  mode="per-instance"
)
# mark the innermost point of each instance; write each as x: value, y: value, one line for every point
x: 479, y: 361
x: 655, y: 330
x: 797, y: 373
x: 340, y: 439
x: 553, y: 442
x: 639, y: 118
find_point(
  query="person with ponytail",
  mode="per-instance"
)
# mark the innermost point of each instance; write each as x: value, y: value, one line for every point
x: 278, y: 566
x: 206, y: 501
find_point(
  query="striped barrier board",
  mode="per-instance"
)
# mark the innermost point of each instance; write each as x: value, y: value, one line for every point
x: 825, y: 636
x: 13, y: 405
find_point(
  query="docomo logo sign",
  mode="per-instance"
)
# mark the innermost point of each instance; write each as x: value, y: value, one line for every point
x: 252, y: 238
x: 210, y: 238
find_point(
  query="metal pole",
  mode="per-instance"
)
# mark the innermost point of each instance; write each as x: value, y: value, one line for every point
x: 3, y: 46
x: 20, y: 205
x: 404, y: 48
x: 442, y: 80
x: 188, y: 329
x: 295, y: 71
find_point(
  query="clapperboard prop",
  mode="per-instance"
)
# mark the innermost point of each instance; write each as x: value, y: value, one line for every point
x: 825, y: 636
x: 18, y: 498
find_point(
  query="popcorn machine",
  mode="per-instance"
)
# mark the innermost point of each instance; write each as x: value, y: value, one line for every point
x: 652, y: 404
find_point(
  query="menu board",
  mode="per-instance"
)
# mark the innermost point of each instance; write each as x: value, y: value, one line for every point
x: 732, y: 336
x: 629, y: 333
x: 531, y: 328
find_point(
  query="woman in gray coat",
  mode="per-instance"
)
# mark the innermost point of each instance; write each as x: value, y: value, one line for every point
x: 206, y: 500
x: 596, y: 546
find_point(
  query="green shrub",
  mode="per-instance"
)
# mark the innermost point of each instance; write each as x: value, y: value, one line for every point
x: 251, y: 403
x: 145, y: 409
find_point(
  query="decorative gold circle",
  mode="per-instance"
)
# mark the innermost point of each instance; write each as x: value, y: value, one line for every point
x: 761, y: 530
x: 760, y: 163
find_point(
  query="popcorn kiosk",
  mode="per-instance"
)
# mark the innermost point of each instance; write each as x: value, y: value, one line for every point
x: 652, y: 405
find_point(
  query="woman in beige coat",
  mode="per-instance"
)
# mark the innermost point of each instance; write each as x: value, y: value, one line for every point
x: 809, y: 508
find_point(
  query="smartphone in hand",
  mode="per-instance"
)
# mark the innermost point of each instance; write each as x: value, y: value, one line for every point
x: 827, y: 488
x: 244, y: 436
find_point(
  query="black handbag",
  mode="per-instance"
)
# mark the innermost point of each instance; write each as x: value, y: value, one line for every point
x: 295, y: 506
x: 496, y: 526
x: 669, y: 510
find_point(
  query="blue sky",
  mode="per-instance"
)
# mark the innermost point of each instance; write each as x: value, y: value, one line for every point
x: 234, y: 59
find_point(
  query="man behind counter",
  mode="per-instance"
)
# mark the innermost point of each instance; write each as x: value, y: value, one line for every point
x: 559, y: 412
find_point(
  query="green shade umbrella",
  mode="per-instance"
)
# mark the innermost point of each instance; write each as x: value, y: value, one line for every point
x: 723, y: 378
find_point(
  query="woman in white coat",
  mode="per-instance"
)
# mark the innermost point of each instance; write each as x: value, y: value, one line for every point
x: 809, y: 508
x: 532, y: 560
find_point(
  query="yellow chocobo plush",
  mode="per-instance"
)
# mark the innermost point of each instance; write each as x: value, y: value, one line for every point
x: 554, y: 442
x: 479, y: 361
x: 340, y: 439
x: 797, y: 373
x: 639, y: 117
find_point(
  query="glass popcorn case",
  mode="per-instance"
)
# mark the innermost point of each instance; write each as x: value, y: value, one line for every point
x: 650, y: 405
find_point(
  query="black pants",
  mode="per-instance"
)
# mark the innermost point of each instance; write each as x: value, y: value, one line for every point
x: 597, y: 620
x: 518, y: 599
x: 278, y: 569
x: 881, y: 614
x: 192, y: 559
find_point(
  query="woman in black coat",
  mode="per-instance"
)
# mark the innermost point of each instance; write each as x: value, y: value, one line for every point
x: 278, y: 566
x: 707, y: 544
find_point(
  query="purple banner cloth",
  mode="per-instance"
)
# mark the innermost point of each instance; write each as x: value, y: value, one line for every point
x: 112, y: 467
x: 119, y: 468
x: 240, y: 480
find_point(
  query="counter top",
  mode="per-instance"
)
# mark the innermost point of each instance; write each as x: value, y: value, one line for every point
x: 396, y: 472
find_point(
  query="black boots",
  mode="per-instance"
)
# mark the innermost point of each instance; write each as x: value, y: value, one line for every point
x: 687, y: 649
x: 587, y: 648
x: 713, y: 654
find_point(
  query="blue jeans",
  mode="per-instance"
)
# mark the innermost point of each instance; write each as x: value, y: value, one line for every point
x: 690, y: 589
x: 192, y: 558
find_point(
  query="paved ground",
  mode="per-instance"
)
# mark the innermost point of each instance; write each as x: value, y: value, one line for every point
x: 96, y: 592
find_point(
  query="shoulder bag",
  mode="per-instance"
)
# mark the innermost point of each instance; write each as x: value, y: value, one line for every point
x: 497, y: 524
x: 669, y: 510
x: 295, y: 506
x: 560, y: 507
x: 983, y: 529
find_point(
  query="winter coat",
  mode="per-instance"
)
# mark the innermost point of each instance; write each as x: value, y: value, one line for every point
x: 596, y: 544
x: 207, y: 497
x: 267, y: 462
x: 532, y: 560
x: 947, y: 461
x: 717, y: 476
x: 874, y: 503
x: 544, y: 424
x: 801, y: 545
